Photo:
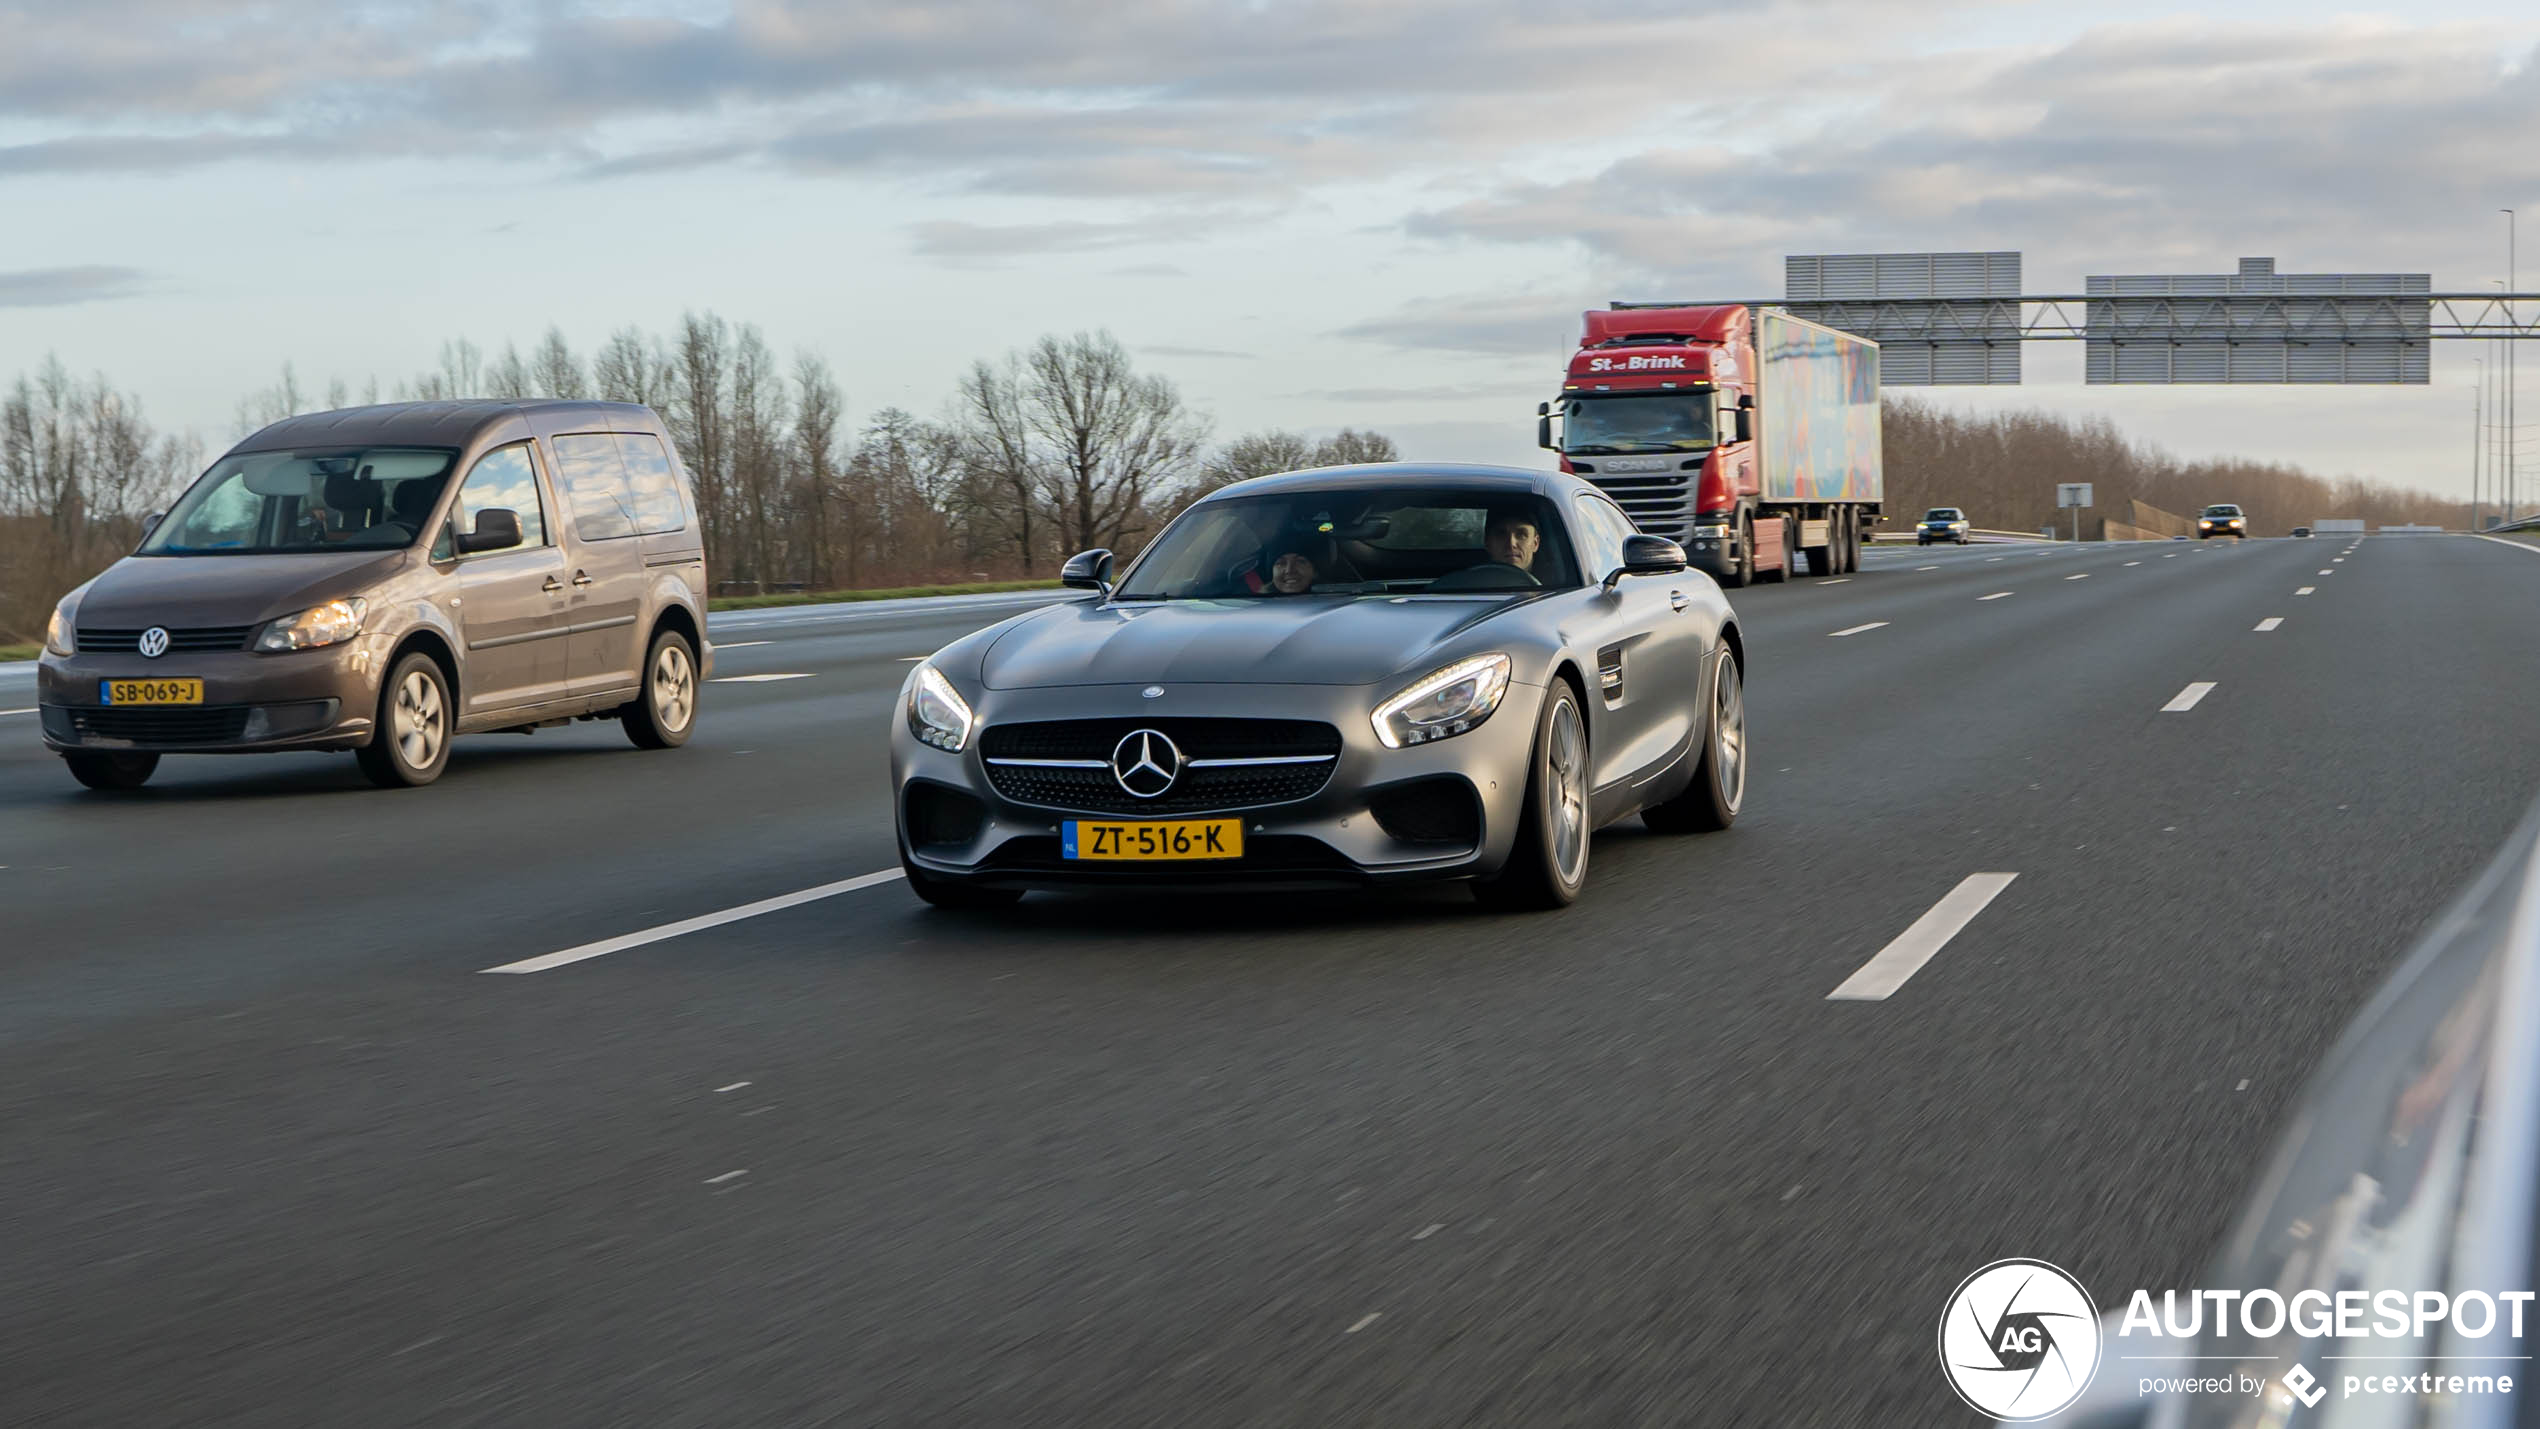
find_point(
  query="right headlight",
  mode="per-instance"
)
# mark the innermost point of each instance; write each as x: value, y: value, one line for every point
x: 1443, y: 703
x: 61, y: 636
x: 937, y: 713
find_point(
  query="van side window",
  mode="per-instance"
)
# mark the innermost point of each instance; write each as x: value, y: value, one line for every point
x: 594, y: 483
x: 503, y: 480
x: 658, y: 509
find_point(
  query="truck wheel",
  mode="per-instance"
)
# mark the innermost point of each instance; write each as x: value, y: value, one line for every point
x: 1548, y: 866
x: 1851, y: 544
x: 112, y: 771
x: 1711, y: 802
x: 410, y: 741
x: 1827, y: 559
x: 665, y: 708
x: 1742, y: 556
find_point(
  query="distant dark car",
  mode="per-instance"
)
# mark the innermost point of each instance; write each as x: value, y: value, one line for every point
x: 2304, y: 532
x: 1332, y: 678
x: 1942, y: 523
x: 2223, y: 520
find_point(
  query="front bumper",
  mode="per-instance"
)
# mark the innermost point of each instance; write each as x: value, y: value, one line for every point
x: 252, y: 703
x: 1329, y: 839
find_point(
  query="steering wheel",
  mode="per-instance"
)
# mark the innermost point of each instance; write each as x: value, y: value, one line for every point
x: 1490, y: 575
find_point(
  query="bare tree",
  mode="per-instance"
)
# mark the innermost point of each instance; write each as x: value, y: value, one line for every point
x: 994, y: 427
x: 1116, y: 439
x: 1354, y: 448
x: 819, y: 417
x: 700, y: 420
x: 1250, y: 455
x: 630, y: 369
x: 79, y: 467
x: 555, y: 372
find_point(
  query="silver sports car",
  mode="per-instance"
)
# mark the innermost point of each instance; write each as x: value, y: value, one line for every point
x: 1325, y: 678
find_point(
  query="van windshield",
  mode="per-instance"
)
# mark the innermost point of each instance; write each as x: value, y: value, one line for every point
x: 338, y: 499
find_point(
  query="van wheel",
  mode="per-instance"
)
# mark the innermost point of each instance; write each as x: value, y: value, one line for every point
x: 665, y: 709
x: 112, y: 771
x: 410, y: 741
x: 1548, y: 866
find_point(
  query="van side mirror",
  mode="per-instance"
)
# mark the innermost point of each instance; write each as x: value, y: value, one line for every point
x: 151, y: 522
x: 1647, y: 556
x: 1543, y: 425
x: 497, y: 529
x: 1087, y: 570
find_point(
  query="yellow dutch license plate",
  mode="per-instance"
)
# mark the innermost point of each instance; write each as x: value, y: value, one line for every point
x: 150, y: 692
x: 1153, y: 839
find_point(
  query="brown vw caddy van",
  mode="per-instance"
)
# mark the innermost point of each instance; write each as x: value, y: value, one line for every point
x: 384, y: 578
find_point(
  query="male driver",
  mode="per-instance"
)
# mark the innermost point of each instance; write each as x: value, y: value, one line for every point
x: 1512, y: 538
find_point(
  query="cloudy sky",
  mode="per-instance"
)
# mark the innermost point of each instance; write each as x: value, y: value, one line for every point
x: 1311, y: 213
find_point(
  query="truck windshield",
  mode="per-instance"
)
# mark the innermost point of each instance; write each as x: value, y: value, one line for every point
x: 341, y: 499
x: 1636, y: 422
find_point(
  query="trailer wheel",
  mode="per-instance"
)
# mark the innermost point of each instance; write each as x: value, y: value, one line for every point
x: 1827, y: 560
x: 1846, y: 544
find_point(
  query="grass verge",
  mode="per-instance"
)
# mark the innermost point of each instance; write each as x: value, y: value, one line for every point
x: 825, y: 597
x: 20, y: 652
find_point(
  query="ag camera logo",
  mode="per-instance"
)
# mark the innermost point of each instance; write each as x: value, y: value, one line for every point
x: 2019, y: 1340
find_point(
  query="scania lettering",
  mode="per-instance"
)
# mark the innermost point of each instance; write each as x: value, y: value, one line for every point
x: 1744, y: 434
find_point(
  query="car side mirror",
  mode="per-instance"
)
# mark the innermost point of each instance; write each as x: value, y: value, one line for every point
x: 1647, y: 556
x: 496, y: 529
x: 151, y: 522
x: 1543, y: 425
x: 1087, y: 570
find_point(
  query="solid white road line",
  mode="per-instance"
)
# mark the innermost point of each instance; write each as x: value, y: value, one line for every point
x: 2271, y: 622
x: 1855, y: 630
x: 2186, y: 699
x: 1927, y: 568
x: 685, y: 926
x: 2306, y: 590
x: 11, y: 712
x: 1880, y: 977
x: 740, y: 644
x: 2517, y: 545
x: 1838, y: 580
x: 759, y: 679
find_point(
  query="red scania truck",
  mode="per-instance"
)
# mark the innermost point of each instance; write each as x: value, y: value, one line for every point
x: 1742, y: 433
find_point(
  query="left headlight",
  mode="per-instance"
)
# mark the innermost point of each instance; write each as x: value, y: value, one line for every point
x: 61, y: 635
x: 330, y: 624
x: 937, y: 713
x: 1443, y: 703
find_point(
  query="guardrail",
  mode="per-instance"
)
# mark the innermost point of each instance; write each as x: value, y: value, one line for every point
x: 1975, y: 533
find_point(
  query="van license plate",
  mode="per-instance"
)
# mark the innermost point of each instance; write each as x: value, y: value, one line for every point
x: 1152, y: 839
x: 149, y: 692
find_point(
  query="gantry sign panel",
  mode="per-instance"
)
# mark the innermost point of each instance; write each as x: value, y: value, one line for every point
x: 2258, y: 325
x: 1938, y: 318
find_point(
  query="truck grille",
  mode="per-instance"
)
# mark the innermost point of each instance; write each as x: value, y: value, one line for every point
x: 189, y: 724
x: 1090, y: 787
x: 203, y: 637
x: 1659, y: 503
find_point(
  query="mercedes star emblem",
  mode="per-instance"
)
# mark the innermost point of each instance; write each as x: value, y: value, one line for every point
x: 1145, y: 763
x: 154, y: 642
x: 1152, y: 692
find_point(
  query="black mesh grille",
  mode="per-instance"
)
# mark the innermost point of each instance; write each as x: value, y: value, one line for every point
x: 203, y: 637
x: 939, y: 816
x: 1660, y: 503
x: 1094, y: 790
x: 192, y: 724
x: 1437, y: 811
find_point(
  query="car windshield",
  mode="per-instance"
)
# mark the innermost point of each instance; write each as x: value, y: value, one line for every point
x: 2222, y: 510
x: 1940, y: 513
x: 337, y: 499
x: 1355, y: 543
x: 1636, y: 422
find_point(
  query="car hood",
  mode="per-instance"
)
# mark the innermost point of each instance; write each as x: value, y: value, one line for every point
x: 1304, y: 640
x: 226, y: 590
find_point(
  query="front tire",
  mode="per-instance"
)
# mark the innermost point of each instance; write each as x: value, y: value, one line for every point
x: 664, y: 710
x: 112, y: 771
x: 1548, y: 866
x: 1741, y: 559
x: 1718, y: 790
x: 410, y: 742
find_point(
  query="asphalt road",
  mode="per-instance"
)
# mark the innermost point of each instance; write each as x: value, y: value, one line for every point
x: 277, y: 1152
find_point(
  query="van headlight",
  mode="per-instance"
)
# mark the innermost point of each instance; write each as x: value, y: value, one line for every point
x: 330, y: 624
x: 61, y: 633
x: 937, y: 714
x: 1443, y: 703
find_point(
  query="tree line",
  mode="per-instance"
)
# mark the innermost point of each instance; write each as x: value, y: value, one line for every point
x: 2002, y: 470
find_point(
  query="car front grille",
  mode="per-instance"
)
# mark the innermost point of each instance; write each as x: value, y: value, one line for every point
x: 184, y: 724
x: 1307, y: 750
x: 201, y: 637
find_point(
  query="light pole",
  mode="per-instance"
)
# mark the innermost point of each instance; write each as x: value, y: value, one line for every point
x: 2497, y: 348
x: 2478, y: 446
x: 2511, y: 278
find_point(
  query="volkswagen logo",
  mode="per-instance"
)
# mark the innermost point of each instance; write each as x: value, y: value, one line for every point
x: 154, y: 642
x: 1145, y: 763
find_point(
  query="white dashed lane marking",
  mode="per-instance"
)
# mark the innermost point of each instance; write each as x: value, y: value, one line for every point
x: 2306, y: 590
x: 2186, y: 699
x: 759, y: 679
x: 698, y: 924
x: 1997, y: 595
x: 1880, y: 977
x: 1857, y: 629
x: 2270, y: 623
